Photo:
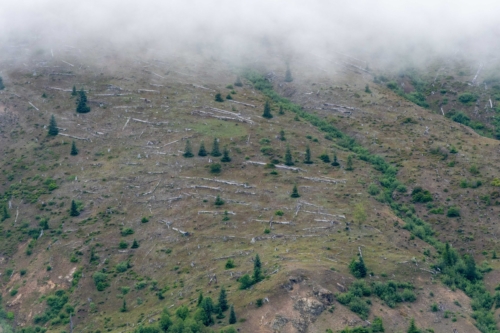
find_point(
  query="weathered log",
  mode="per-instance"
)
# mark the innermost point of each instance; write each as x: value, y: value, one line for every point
x: 216, y: 212
x: 279, y: 166
x: 246, y: 104
x: 148, y: 90
x: 34, y: 106
x: 325, y: 180
x: 75, y: 137
x: 150, y: 122
x: 227, y: 182
x: 184, y: 233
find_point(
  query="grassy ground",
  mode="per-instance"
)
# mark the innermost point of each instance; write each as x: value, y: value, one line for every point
x: 126, y: 173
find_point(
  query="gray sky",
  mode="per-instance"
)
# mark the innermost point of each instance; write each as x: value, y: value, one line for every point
x: 387, y: 29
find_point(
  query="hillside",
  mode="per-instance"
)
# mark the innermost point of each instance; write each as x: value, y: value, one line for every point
x: 409, y: 181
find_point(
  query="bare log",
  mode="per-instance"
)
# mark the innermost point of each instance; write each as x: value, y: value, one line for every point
x: 279, y: 166
x: 216, y: 212
x: 148, y: 90
x: 207, y: 187
x: 325, y: 180
x: 246, y: 104
x: 68, y: 63
x: 319, y: 213
x: 74, y: 137
x: 34, y: 106
x: 184, y: 233
x: 60, y: 89
x: 202, y: 87
x: 150, y: 122
x: 128, y: 119
x: 227, y: 182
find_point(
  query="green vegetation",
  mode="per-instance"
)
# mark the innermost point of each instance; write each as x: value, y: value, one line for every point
x: 295, y: 192
x: 225, y: 155
x: 452, y: 275
x: 74, y: 209
x: 267, y: 111
x: 202, y: 151
x: 57, y: 310
x: 218, y: 98
x: 2, y: 86
x: 82, y: 102
x: 188, y: 151
x: 74, y: 150
x: 358, y: 268
x: 215, y: 148
x: 467, y: 98
x: 53, y: 129
x: 218, y: 201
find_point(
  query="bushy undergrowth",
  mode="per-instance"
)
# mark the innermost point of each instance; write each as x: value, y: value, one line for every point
x: 452, y: 274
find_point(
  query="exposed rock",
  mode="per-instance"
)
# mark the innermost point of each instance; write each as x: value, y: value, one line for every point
x: 300, y: 324
x: 324, y: 295
x: 279, y: 322
x: 309, y: 306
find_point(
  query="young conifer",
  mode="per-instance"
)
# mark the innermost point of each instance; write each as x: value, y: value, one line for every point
x: 202, y: 152
x: 74, y: 209
x: 188, y: 151
x: 74, y: 150
x: 53, y: 130
x: 267, y: 111
x: 225, y: 157
x: 215, y: 149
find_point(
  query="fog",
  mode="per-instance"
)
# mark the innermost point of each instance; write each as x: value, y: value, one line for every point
x: 378, y: 31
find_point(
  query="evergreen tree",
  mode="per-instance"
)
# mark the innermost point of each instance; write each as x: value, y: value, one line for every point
x: 335, y: 162
x: 74, y: 150
x: 229, y: 96
x: 215, y: 149
x: 207, y: 308
x: 82, y: 103
x: 5, y: 213
x: 281, y: 111
x: 223, y: 306
x: 307, y: 159
x: 413, y: 328
x: 470, y: 268
x: 135, y: 244
x: 450, y: 256
x: 288, y: 75
x: 349, y: 163
x: 238, y: 82
x: 267, y: 111
x: 74, y: 209
x: 282, y: 135
x: 377, y: 325
x: 202, y: 151
x: 288, y: 156
x: 367, y: 90
x: 494, y: 255
x: 295, y: 192
x: 257, y: 270
x: 200, y: 299
x: 218, y: 98
x: 324, y: 157
x: 73, y: 92
x: 358, y: 268
x: 124, y: 306
x: 1, y: 84
x: 225, y: 157
x: 53, y: 130
x: 188, y: 152
x: 218, y: 201
x: 165, y: 321
x: 232, y: 316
